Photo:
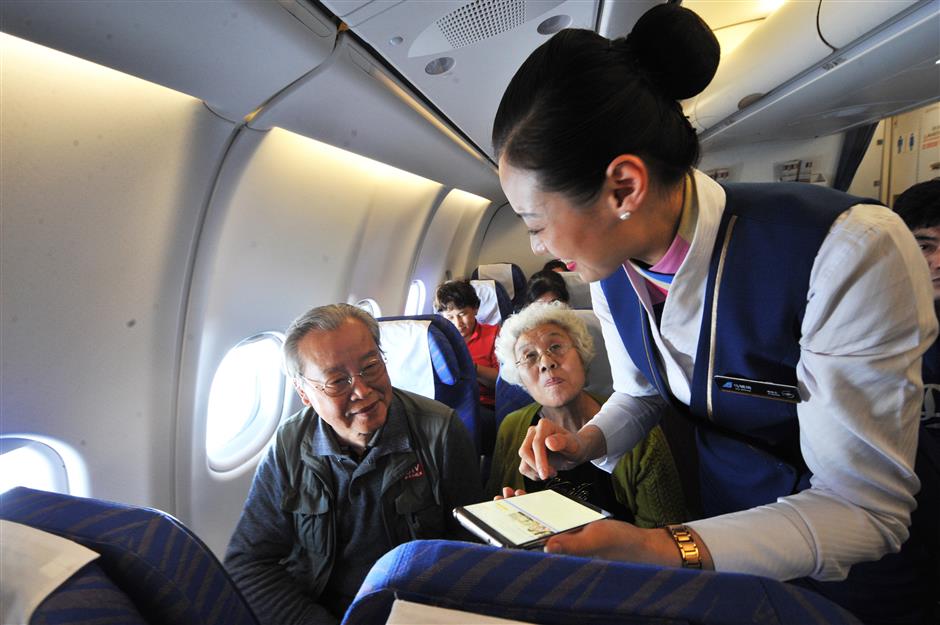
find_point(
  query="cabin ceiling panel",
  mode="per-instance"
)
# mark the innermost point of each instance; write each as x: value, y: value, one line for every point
x: 616, y: 19
x: 486, y: 41
x: 353, y: 104
x: 233, y: 54
x: 891, y: 71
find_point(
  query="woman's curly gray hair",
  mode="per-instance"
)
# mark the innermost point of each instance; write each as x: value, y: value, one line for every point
x: 529, y: 318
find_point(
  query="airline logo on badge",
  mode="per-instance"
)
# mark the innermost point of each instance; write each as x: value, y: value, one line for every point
x: 758, y: 388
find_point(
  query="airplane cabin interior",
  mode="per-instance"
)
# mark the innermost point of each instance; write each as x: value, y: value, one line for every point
x: 179, y: 180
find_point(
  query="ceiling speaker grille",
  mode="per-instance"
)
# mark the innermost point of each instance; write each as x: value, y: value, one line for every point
x: 481, y: 19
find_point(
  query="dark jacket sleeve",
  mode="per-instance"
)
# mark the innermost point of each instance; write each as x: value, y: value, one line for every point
x: 461, y: 483
x: 263, y: 537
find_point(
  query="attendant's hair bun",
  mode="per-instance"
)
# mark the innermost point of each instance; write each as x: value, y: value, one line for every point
x: 676, y: 49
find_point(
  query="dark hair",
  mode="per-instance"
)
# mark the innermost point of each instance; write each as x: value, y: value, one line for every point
x: 553, y: 265
x: 456, y: 293
x: 580, y: 100
x: 546, y: 281
x: 919, y: 206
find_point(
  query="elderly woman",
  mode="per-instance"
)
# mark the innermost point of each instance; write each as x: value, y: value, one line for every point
x: 545, y: 349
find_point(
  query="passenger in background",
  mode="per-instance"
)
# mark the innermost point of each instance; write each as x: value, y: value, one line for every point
x: 919, y: 207
x: 555, y: 265
x: 363, y: 468
x: 457, y: 301
x: 546, y: 286
x: 546, y: 349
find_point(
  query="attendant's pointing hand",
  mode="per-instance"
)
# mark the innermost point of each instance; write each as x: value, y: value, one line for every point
x: 547, y: 449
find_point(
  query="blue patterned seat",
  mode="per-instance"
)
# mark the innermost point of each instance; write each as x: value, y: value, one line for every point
x: 543, y: 588
x: 509, y: 398
x: 165, y: 570
x: 455, y: 381
x: 89, y: 597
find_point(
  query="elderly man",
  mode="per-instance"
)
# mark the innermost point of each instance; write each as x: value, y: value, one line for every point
x: 362, y: 468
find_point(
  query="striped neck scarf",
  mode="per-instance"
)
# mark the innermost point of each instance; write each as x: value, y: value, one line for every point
x: 659, y: 276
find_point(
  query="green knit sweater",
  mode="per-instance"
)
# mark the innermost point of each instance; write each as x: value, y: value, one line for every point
x: 645, y: 479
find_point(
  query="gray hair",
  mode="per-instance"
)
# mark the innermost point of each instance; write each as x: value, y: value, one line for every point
x: 324, y: 319
x: 532, y: 316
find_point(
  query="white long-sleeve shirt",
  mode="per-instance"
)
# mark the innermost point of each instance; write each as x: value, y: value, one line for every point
x: 869, y: 318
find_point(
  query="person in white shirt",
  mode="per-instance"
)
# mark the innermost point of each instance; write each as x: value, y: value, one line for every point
x: 598, y: 160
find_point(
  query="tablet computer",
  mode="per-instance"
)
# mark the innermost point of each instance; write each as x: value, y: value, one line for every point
x: 527, y: 521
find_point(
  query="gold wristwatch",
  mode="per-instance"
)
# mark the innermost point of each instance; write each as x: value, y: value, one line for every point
x: 685, y: 542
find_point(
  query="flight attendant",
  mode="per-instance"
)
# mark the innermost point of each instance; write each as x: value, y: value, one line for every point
x: 777, y: 318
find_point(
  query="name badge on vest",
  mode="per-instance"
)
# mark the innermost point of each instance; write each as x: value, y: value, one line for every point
x: 758, y: 388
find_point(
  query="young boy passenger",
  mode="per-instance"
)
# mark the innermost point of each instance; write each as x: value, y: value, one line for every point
x: 457, y: 301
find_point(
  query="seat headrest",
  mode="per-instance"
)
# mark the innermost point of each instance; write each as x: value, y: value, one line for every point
x: 599, y: 379
x: 509, y: 275
x: 416, y: 353
x: 579, y: 291
x: 489, y: 311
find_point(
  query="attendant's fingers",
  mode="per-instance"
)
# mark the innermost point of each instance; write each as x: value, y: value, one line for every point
x: 508, y: 491
x: 563, y: 443
x: 539, y: 451
x: 527, y: 466
x: 529, y: 471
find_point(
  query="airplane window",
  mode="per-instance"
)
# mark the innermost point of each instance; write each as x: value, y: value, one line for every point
x: 246, y: 401
x: 27, y: 462
x: 370, y: 306
x: 416, y: 297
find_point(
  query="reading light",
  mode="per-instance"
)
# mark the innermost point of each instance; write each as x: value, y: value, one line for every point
x: 553, y: 24
x: 439, y: 65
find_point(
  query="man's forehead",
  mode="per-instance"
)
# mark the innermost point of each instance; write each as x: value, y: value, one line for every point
x: 335, y: 349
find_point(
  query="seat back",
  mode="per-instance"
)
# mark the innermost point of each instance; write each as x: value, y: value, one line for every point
x: 538, y: 587
x: 509, y: 398
x: 428, y: 345
x: 599, y: 379
x: 509, y: 275
x: 579, y: 291
x: 495, y: 304
x: 168, y: 573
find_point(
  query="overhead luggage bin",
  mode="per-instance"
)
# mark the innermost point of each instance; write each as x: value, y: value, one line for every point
x: 353, y: 103
x: 231, y: 54
x: 783, y: 46
x: 889, y: 70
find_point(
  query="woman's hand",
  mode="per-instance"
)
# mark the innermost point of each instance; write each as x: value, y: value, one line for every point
x: 616, y: 540
x: 549, y: 448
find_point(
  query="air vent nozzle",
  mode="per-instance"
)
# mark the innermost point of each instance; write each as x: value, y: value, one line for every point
x: 477, y: 21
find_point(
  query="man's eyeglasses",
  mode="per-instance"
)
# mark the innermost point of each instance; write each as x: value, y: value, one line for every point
x: 342, y: 384
x: 531, y: 358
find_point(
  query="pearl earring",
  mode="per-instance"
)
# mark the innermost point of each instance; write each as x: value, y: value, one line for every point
x: 625, y: 216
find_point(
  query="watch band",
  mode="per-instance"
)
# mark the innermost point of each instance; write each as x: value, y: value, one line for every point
x: 685, y: 542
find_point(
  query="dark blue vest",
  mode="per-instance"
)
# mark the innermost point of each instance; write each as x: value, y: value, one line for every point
x: 755, y: 298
